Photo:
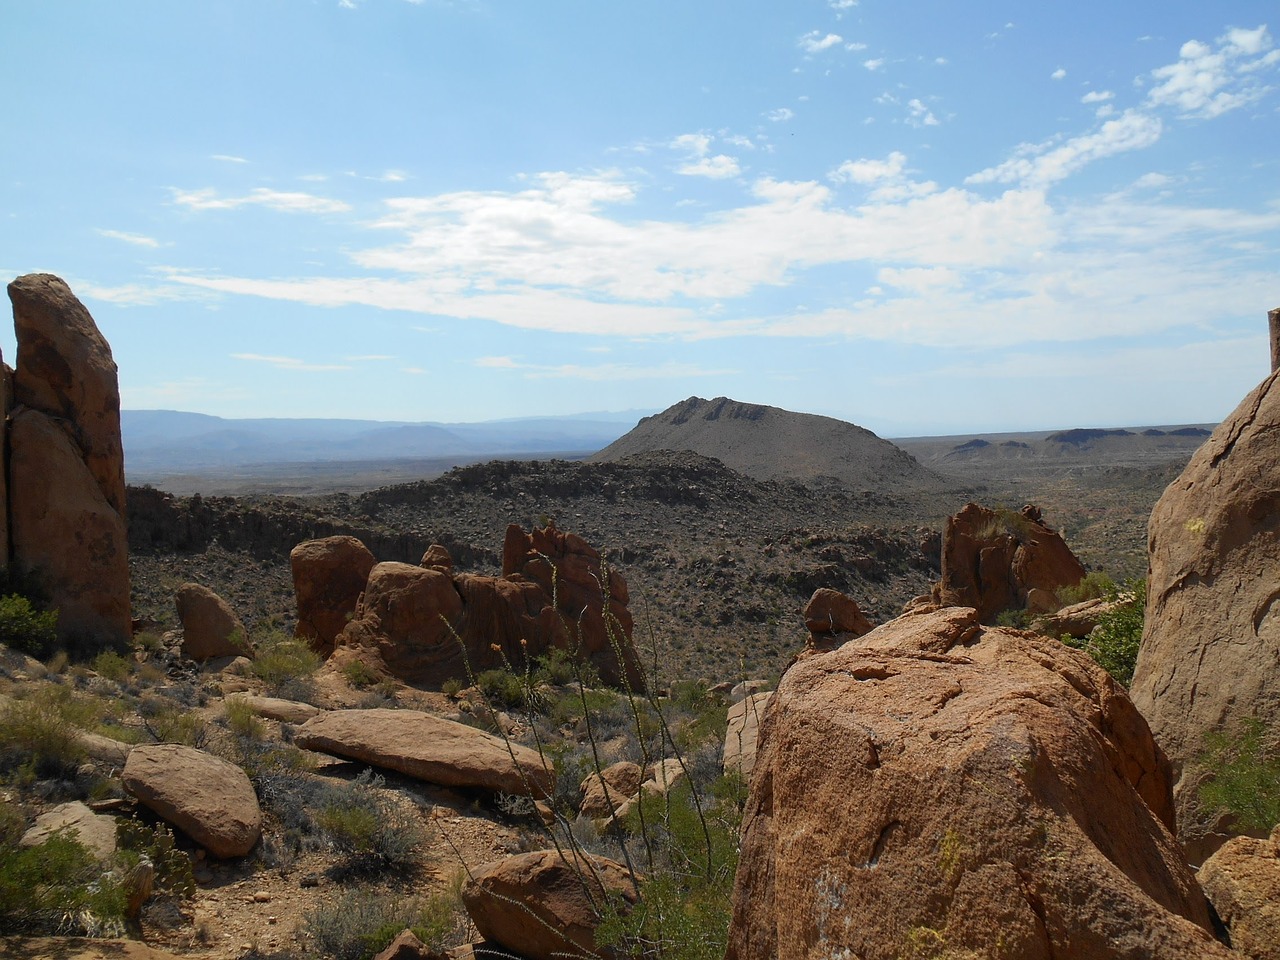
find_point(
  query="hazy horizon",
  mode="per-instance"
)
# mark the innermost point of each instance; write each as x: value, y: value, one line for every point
x: 973, y: 219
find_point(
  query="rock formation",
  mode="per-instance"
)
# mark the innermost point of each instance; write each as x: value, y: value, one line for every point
x: 328, y: 577
x: 1211, y: 642
x: 937, y: 788
x: 425, y: 624
x: 604, y: 792
x: 210, y: 628
x: 65, y: 516
x: 1242, y: 881
x: 429, y: 748
x: 742, y: 735
x: 996, y: 560
x: 541, y: 906
x: 832, y: 618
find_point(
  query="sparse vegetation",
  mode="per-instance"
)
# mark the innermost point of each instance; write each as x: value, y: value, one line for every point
x: 363, y: 922
x: 25, y: 628
x: 57, y: 887
x: 1114, y: 641
x: 285, y: 664
x: 371, y: 831
x: 1095, y: 585
x: 1243, y: 770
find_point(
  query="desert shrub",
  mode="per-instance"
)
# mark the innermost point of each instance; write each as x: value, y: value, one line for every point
x: 502, y: 688
x: 364, y: 922
x: 57, y: 887
x: 242, y: 721
x: 1014, y: 617
x: 166, y: 722
x: 25, y: 628
x: 358, y: 674
x: 285, y: 664
x: 372, y: 831
x: 1095, y: 585
x: 1243, y: 767
x: 1113, y: 644
x: 39, y: 735
x: 112, y: 665
x: 451, y: 687
x: 556, y: 667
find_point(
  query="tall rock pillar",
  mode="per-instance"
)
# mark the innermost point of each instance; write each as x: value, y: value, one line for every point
x: 1273, y: 321
x: 66, y: 495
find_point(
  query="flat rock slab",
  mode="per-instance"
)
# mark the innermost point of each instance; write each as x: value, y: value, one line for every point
x: 96, y: 831
x: 78, y: 948
x: 206, y: 797
x: 430, y: 748
x: 274, y: 708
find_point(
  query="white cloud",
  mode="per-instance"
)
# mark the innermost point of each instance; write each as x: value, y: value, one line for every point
x: 1038, y: 165
x: 228, y: 158
x: 502, y: 363
x: 842, y: 4
x: 1058, y: 74
x: 283, y: 201
x: 719, y: 167
x: 855, y: 47
x: 1209, y: 81
x: 815, y: 42
x: 738, y: 140
x: 779, y: 115
x: 869, y: 171
x: 1097, y: 96
x: 289, y: 363
x: 136, y: 294
x: 695, y: 143
x: 875, y: 64
x: 1153, y: 181
x: 1104, y: 111
x: 920, y: 115
x: 137, y: 239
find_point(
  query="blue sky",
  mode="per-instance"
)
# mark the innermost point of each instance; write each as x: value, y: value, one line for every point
x: 919, y: 216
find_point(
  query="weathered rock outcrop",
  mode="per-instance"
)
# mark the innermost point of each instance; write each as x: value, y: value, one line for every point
x: 206, y: 797
x: 210, y: 628
x: 940, y: 789
x: 1076, y: 620
x: 540, y: 906
x: 429, y: 748
x: 996, y: 560
x: 329, y: 575
x: 743, y: 734
x: 1242, y: 881
x: 604, y: 792
x: 66, y: 500
x: 833, y: 618
x: 1211, y: 642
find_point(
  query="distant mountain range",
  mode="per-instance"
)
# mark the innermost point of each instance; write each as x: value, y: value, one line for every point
x: 161, y: 441
x: 770, y: 443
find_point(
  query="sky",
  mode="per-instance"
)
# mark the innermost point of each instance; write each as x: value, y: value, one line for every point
x: 920, y: 216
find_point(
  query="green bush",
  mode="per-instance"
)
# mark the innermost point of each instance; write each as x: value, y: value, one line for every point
x: 24, y: 628
x: 358, y: 674
x: 112, y: 665
x: 362, y: 923
x: 1243, y: 767
x: 168, y: 723
x: 1093, y: 586
x: 371, y: 831
x: 502, y: 688
x: 1113, y: 644
x: 39, y: 735
x: 57, y: 887
x: 284, y: 663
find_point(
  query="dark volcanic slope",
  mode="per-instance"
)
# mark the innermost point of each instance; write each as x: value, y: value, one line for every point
x: 768, y: 443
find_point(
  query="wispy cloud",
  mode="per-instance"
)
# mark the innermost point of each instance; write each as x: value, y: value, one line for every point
x: 602, y: 372
x: 290, y: 363
x: 719, y: 167
x: 369, y: 358
x: 283, y: 201
x: 874, y: 64
x: 869, y: 171
x: 815, y: 41
x: 228, y: 158
x: 918, y: 115
x: 1097, y: 96
x: 779, y: 115
x: 1208, y: 81
x: 137, y: 239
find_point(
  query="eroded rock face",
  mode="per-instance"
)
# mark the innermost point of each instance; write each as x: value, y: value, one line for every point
x: 540, y: 905
x: 206, y: 797
x: 66, y: 531
x: 981, y: 792
x: 1211, y: 641
x: 329, y: 575
x: 591, y: 598
x: 743, y: 734
x: 832, y: 619
x: 66, y: 479
x: 997, y: 560
x: 1242, y: 881
x: 604, y: 792
x: 429, y: 748
x: 210, y: 628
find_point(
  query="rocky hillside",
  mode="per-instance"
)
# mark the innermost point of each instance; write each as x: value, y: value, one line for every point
x: 769, y: 443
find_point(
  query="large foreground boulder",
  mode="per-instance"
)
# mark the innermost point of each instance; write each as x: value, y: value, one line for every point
x: 1210, y: 653
x: 329, y: 575
x: 543, y: 906
x: 940, y: 789
x: 209, y: 799
x: 1242, y: 881
x: 429, y: 748
x: 997, y: 560
x: 210, y: 627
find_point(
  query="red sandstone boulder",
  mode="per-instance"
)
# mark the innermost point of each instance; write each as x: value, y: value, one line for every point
x: 210, y: 628
x: 996, y: 560
x: 940, y: 789
x: 591, y: 598
x: 833, y: 618
x: 604, y: 792
x: 206, y: 797
x: 1211, y: 639
x: 1242, y: 881
x: 328, y: 577
x: 437, y: 558
x: 541, y: 906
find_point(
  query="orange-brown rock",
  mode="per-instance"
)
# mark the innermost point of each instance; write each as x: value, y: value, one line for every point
x: 833, y: 618
x: 210, y: 628
x: 937, y: 788
x: 328, y: 577
x: 1242, y: 881
x: 429, y: 748
x: 206, y: 797
x: 64, y: 368
x: 66, y: 532
x: 1211, y: 640
x: 742, y: 736
x: 591, y: 597
x: 541, y: 906
x: 996, y: 560
x: 604, y: 792
x: 1076, y: 620
x: 438, y: 558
